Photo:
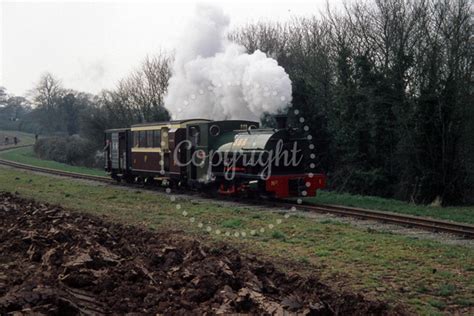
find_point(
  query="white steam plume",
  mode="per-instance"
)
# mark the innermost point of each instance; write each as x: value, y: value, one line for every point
x: 216, y: 79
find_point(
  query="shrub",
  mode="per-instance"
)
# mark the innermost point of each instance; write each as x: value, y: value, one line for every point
x: 72, y: 150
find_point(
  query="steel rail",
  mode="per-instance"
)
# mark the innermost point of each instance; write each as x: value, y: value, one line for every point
x: 426, y: 223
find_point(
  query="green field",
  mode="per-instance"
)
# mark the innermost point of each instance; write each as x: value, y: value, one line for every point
x: 453, y: 213
x: 424, y: 275
x: 27, y: 156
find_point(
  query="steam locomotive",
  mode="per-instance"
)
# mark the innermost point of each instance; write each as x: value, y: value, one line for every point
x: 230, y: 157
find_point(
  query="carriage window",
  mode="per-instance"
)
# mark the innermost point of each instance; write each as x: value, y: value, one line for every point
x: 142, y: 140
x: 135, y: 139
x: 157, y: 138
x: 149, y: 139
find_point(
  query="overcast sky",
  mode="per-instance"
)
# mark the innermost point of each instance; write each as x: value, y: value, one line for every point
x: 91, y: 45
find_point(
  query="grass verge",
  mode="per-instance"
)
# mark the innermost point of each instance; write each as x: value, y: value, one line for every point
x: 27, y: 156
x: 426, y: 276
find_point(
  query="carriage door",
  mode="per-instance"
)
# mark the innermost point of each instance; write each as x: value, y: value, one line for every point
x: 122, y: 150
x: 178, y: 152
x: 114, y: 150
x: 194, y: 134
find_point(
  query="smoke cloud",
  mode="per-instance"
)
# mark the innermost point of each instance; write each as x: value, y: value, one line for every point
x: 217, y: 79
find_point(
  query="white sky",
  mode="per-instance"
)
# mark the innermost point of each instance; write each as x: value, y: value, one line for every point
x: 90, y: 45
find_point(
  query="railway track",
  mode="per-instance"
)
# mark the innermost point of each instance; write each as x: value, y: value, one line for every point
x: 435, y: 225
x: 425, y: 223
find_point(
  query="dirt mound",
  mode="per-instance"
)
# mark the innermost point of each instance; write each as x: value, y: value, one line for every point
x: 57, y: 262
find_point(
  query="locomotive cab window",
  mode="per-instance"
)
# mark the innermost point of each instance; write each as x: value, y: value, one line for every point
x: 214, y: 130
x: 194, y: 133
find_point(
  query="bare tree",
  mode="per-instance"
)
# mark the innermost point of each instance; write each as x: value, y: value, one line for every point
x: 142, y: 93
x: 268, y: 37
x: 47, y: 96
x: 47, y: 91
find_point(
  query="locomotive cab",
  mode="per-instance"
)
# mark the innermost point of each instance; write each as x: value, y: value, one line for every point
x: 204, y: 139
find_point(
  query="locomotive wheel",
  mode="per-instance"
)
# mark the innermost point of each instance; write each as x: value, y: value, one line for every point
x: 149, y: 181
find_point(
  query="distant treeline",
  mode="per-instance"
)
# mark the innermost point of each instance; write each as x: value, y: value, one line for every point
x: 385, y: 87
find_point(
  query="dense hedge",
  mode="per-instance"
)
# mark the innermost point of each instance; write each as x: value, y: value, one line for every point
x: 72, y: 150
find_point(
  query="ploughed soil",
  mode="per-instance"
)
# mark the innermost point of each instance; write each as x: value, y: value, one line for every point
x: 57, y: 262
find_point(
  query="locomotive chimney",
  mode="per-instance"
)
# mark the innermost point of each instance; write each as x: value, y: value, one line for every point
x: 281, y: 120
